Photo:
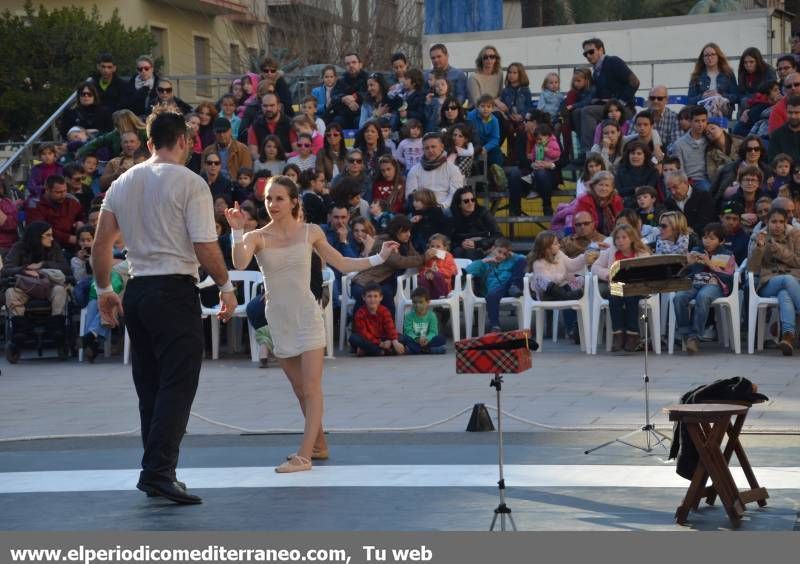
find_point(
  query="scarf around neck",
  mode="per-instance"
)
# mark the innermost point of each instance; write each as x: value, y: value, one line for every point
x: 435, y: 163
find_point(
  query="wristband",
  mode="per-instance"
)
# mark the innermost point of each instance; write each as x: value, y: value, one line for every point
x: 237, y: 236
x: 375, y: 260
x: 226, y: 287
x: 107, y: 290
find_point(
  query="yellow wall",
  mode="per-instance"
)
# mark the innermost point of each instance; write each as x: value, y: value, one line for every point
x: 182, y: 27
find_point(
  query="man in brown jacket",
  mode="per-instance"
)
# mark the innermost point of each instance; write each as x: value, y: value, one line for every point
x: 234, y: 155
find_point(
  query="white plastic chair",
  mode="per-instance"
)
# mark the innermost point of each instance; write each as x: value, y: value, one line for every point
x: 728, y: 317
x: 535, y: 306
x: 249, y: 279
x: 600, y: 306
x: 473, y: 302
x: 328, y: 277
x: 346, y: 303
x: 757, y: 311
x: 409, y: 282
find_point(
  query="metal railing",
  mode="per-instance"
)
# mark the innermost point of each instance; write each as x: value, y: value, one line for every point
x: 27, y: 147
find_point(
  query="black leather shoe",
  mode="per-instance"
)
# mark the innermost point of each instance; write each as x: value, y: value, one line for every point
x: 173, y: 491
x: 154, y: 493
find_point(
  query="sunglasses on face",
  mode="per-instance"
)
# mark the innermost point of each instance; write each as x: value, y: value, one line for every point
x: 793, y: 85
x: 489, y: 57
x: 87, y: 95
x: 213, y: 163
x: 754, y: 149
x: 355, y: 161
x: 589, y: 52
x: 141, y: 69
x: 304, y: 145
x: 657, y: 98
x: 269, y: 71
x: 467, y: 200
x: 164, y: 90
x: 333, y: 133
x: 452, y: 108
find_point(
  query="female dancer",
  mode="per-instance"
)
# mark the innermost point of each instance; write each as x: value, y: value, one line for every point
x: 283, y: 251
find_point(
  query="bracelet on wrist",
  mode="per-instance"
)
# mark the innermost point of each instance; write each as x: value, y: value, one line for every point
x: 237, y: 236
x: 107, y: 290
x: 226, y: 287
x: 375, y: 260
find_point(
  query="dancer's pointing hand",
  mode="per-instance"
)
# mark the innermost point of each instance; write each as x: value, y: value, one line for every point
x: 388, y: 248
x: 235, y: 217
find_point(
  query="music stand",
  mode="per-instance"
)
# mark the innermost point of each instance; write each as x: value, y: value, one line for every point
x: 497, y: 353
x: 646, y: 276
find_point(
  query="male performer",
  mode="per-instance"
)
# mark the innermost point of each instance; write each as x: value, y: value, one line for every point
x: 166, y: 217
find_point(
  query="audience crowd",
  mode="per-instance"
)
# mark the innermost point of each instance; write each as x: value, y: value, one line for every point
x: 717, y: 181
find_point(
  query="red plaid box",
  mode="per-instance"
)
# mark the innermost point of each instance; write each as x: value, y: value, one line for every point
x: 503, y: 353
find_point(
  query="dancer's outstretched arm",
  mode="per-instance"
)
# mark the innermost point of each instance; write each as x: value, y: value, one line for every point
x: 345, y: 264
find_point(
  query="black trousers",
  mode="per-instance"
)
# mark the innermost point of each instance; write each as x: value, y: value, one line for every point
x: 162, y: 315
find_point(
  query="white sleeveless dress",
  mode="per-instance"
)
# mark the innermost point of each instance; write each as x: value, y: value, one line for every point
x: 293, y: 315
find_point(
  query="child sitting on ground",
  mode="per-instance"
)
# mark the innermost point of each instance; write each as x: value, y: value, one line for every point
x: 436, y: 276
x: 711, y: 269
x: 374, y: 333
x: 421, y: 328
x: 500, y: 274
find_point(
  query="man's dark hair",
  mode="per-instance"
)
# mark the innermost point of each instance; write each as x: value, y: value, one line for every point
x: 766, y: 87
x: 715, y: 229
x: 502, y: 242
x: 433, y: 135
x: 165, y: 127
x: 671, y: 160
x: 595, y: 42
x: 649, y: 190
x: 788, y: 59
x: 52, y: 180
x: 646, y: 114
x: 352, y: 54
x: 399, y: 57
x: 793, y: 101
x: 437, y: 47
x: 686, y: 112
x: 72, y: 168
x: 698, y: 111
x: 105, y: 58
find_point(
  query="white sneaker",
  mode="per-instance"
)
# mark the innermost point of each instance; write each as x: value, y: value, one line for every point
x: 528, y: 178
x: 709, y: 334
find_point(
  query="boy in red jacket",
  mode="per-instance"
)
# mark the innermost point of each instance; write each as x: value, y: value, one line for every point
x: 374, y: 333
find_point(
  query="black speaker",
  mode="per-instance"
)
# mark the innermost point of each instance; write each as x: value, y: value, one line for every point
x: 480, y: 420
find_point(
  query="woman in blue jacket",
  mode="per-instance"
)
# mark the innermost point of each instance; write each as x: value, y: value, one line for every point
x: 713, y: 76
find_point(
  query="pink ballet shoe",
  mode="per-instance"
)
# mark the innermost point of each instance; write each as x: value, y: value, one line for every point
x: 296, y: 464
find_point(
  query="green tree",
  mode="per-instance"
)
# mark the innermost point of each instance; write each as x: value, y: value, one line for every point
x: 46, y: 54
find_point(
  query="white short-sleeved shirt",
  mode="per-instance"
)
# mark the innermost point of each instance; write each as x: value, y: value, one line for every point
x: 162, y: 209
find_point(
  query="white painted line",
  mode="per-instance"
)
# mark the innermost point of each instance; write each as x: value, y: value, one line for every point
x: 389, y: 476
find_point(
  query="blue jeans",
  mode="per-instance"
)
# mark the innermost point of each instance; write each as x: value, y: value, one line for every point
x: 544, y: 182
x: 93, y: 322
x: 496, y: 294
x: 703, y: 184
x: 703, y: 297
x: 370, y: 349
x: 787, y: 289
x: 624, y: 313
x: 256, y: 313
x: 413, y: 347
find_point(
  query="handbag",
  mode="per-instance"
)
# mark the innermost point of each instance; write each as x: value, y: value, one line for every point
x: 35, y: 287
x: 495, y: 353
